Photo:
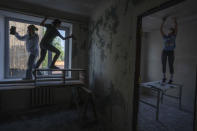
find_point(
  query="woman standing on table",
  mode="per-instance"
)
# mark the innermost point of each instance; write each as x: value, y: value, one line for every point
x: 168, y: 50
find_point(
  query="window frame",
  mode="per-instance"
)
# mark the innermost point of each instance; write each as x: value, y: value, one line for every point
x: 67, y: 47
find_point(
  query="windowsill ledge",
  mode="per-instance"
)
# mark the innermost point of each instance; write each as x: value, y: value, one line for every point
x: 30, y: 84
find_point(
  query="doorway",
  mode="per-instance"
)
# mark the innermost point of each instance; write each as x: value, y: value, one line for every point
x: 171, y: 108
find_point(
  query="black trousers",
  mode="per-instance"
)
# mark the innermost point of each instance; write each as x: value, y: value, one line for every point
x: 170, y: 56
x: 43, y: 53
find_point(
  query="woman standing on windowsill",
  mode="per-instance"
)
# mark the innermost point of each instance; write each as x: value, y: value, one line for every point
x: 32, y: 47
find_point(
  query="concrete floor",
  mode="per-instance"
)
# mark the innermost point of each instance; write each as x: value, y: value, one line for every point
x: 46, y: 119
x: 60, y: 119
x: 170, y: 119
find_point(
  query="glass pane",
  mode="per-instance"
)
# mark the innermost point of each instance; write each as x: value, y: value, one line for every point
x: 18, y: 54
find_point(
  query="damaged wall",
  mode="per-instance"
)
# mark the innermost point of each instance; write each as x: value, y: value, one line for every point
x: 112, y: 59
x: 110, y: 70
x: 80, y: 46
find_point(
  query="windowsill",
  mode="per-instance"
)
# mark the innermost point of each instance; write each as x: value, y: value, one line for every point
x: 30, y: 84
x: 10, y: 81
x: 20, y: 80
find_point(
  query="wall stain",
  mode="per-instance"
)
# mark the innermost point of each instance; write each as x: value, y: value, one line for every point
x: 109, y: 45
x: 98, y: 24
x: 111, y: 14
x: 116, y: 57
x: 101, y: 41
x: 126, y: 7
x: 103, y: 56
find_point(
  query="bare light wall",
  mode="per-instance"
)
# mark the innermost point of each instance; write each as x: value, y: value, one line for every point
x: 185, y: 60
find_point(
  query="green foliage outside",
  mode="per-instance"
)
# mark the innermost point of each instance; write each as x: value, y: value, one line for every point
x: 57, y: 44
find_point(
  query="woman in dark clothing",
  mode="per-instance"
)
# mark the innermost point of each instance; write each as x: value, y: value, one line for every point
x: 46, y: 42
x: 168, y: 50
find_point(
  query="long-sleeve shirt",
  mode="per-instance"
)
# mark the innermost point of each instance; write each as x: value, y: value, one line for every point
x: 31, y: 43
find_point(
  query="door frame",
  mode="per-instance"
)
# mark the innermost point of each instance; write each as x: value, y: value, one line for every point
x: 195, y: 104
x: 163, y: 6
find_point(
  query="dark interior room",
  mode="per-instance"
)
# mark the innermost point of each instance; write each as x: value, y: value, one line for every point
x: 98, y: 65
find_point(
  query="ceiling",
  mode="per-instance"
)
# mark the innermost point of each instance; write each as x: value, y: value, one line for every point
x: 80, y: 7
x: 185, y: 12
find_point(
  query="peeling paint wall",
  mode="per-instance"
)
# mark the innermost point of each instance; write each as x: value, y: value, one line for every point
x: 80, y: 46
x: 112, y: 60
x: 109, y: 65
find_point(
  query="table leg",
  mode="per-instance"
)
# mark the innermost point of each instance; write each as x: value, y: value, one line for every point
x: 162, y: 94
x: 158, y: 102
x: 180, y: 97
